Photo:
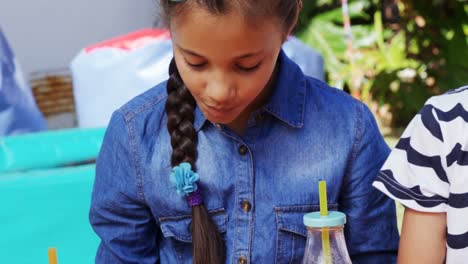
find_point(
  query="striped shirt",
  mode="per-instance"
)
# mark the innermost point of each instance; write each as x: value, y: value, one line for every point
x: 428, y: 169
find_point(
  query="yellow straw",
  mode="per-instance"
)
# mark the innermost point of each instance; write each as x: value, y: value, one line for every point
x: 326, y: 245
x: 324, y: 212
x: 52, y: 256
x: 323, y: 198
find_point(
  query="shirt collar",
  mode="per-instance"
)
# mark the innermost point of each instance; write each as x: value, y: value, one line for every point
x: 199, y: 120
x: 287, y: 101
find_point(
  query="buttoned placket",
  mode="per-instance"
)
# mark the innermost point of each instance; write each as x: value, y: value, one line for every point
x: 244, y: 215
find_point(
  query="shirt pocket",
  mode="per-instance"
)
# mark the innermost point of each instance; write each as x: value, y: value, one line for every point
x: 291, y: 232
x: 177, y: 229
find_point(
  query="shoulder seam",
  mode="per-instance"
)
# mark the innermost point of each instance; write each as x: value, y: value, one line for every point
x: 129, y: 115
x: 131, y: 133
x: 357, y: 136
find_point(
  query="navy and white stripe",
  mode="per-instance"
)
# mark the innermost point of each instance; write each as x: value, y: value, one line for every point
x: 428, y: 169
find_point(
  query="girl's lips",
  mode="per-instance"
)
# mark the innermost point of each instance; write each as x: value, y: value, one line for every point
x: 219, y: 111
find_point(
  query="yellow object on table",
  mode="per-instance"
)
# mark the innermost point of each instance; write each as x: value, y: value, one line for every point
x: 324, y: 212
x: 52, y: 252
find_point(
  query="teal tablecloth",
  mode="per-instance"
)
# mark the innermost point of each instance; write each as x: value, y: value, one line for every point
x: 44, y: 205
x: 47, y: 208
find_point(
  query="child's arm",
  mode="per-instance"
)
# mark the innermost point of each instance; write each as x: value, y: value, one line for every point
x: 423, y: 237
x: 371, y: 230
x: 119, y: 214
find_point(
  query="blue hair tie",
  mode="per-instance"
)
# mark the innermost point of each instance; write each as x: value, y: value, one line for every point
x: 185, y: 181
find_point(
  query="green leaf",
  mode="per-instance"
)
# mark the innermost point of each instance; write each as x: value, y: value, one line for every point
x: 355, y: 9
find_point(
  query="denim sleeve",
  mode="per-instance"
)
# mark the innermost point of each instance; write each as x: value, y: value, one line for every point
x: 371, y: 229
x: 118, y: 212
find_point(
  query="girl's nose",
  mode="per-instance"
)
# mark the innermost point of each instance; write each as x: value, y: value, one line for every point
x: 220, y: 91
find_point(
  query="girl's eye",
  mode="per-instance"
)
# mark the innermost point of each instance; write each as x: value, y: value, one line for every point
x: 248, y: 69
x: 196, y: 65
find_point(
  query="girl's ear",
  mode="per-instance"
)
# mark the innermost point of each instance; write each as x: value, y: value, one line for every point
x: 299, y: 8
x: 299, y: 4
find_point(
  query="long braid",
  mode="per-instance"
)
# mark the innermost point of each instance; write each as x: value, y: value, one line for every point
x: 208, y: 246
x: 180, y: 108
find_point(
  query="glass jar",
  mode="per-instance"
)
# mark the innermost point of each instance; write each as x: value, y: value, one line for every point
x: 325, y: 239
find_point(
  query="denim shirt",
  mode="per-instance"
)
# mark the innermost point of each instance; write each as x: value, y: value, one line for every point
x: 257, y: 186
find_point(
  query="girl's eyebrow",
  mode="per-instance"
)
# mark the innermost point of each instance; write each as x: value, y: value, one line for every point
x: 250, y: 54
x: 243, y: 56
x: 190, y: 52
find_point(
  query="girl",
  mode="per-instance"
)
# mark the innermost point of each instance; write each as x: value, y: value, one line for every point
x: 428, y: 173
x: 220, y: 163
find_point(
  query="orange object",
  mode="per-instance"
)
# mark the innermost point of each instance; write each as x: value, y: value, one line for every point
x: 52, y: 256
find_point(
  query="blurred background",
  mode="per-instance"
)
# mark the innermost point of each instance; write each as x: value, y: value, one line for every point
x: 66, y: 66
x: 396, y: 53
x: 45, y: 36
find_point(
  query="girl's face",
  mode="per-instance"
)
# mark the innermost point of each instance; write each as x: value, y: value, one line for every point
x: 225, y: 62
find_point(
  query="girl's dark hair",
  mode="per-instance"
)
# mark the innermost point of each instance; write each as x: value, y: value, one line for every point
x: 285, y: 11
x: 208, y: 245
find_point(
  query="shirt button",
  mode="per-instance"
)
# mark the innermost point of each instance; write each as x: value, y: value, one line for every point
x: 246, y: 206
x: 259, y: 117
x: 218, y: 126
x: 242, y: 150
x: 242, y: 260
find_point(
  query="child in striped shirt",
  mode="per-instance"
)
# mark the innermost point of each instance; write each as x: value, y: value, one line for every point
x: 427, y: 172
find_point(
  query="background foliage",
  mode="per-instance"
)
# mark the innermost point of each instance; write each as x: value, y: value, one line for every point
x: 403, y: 51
